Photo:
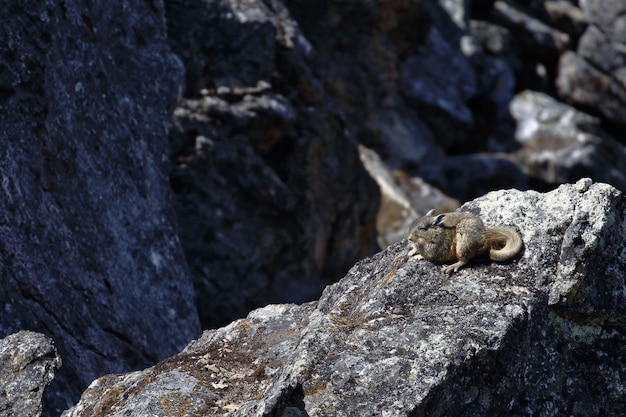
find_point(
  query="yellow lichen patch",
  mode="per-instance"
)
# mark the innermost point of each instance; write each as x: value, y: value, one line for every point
x: 245, y: 325
x: 388, y: 277
x: 175, y: 406
x: 349, y: 321
x: 213, y: 368
x: 314, y: 386
x: 110, y: 399
x: 257, y: 395
x: 259, y: 371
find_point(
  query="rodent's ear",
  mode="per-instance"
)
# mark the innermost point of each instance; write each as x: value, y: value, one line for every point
x: 431, y: 212
x: 438, y: 219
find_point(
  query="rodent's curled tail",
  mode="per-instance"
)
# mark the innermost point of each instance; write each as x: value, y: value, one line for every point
x: 504, y: 243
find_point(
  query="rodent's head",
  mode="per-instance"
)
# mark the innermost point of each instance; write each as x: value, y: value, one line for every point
x: 421, y: 226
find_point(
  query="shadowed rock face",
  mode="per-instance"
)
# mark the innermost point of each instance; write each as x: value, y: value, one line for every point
x: 88, y: 247
x: 272, y: 200
x: 396, y: 336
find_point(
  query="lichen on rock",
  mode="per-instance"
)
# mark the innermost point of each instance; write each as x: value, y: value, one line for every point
x: 398, y: 337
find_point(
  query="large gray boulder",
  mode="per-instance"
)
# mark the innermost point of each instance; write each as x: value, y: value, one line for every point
x: 89, y: 248
x: 541, y: 335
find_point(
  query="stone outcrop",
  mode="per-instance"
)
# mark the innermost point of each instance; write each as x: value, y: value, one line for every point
x: 272, y: 200
x: 88, y: 241
x: 561, y: 144
x: 571, y: 51
x: 396, y: 336
x: 28, y: 362
x: 435, y: 88
x: 595, y: 75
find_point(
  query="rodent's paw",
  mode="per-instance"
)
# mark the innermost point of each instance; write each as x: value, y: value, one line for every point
x: 414, y: 250
x: 454, y: 267
x: 449, y: 269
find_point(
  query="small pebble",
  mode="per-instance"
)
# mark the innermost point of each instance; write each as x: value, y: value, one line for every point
x: 583, y: 184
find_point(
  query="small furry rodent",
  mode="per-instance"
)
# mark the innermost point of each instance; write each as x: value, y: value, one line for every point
x: 460, y: 236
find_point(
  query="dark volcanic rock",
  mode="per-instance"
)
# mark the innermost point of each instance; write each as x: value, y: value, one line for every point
x: 439, y: 82
x: 274, y: 204
x: 535, y: 46
x: 272, y: 200
x: 398, y: 337
x: 368, y: 54
x: 411, y: 81
x: 225, y: 43
x: 564, y: 15
x: 28, y: 362
x: 89, y: 250
x: 607, y: 15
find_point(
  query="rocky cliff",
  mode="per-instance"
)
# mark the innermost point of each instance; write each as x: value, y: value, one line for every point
x: 272, y: 200
x: 541, y: 335
x: 120, y: 246
x: 89, y: 251
x: 467, y: 96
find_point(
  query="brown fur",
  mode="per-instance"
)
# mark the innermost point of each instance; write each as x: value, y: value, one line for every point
x: 461, y: 236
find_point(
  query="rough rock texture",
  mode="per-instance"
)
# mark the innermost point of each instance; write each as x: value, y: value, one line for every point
x: 28, y: 362
x: 359, y: 48
x: 272, y: 200
x: 564, y: 15
x: 410, y: 80
x: 88, y: 245
x: 269, y: 187
x: 595, y: 76
x: 542, y: 335
x: 510, y: 47
x: 561, y: 144
x: 270, y: 195
x: 467, y: 176
x: 530, y: 30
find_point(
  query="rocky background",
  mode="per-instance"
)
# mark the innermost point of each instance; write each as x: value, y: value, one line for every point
x: 120, y: 245
x: 450, y: 99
